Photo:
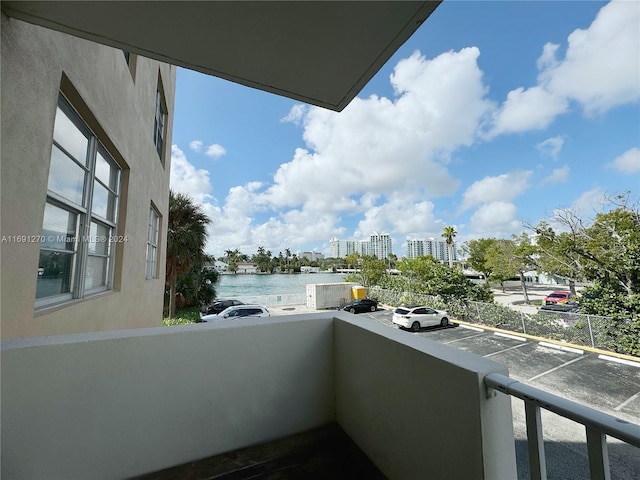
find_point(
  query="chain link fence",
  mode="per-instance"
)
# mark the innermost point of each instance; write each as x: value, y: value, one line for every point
x: 576, y: 328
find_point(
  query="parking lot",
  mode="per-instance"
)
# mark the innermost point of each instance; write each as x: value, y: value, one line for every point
x: 603, y: 382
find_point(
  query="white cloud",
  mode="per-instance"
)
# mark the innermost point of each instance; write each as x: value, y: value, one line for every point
x: 497, y: 218
x: 601, y: 64
x: 524, y: 110
x: 196, y: 145
x: 185, y: 178
x: 296, y: 114
x: 502, y: 188
x: 558, y: 175
x: 599, y: 71
x: 551, y: 146
x: 215, y: 151
x: 402, y: 216
x: 628, y: 163
x: 379, y: 145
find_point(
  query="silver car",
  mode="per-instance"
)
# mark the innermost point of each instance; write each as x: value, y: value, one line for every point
x: 238, y: 311
x: 415, y: 318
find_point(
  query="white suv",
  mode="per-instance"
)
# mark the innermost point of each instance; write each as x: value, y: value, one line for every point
x: 238, y: 311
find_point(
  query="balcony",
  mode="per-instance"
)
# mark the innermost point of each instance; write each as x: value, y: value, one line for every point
x: 127, y: 403
x: 124, y: 403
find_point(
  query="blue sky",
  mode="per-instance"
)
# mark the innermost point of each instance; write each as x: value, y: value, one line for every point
x: 490, y: 117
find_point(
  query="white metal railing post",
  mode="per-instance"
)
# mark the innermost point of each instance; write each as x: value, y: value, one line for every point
x: 535, y: 442
x: 593, y: 344
x: 524, y: 328
x: 598, y: 454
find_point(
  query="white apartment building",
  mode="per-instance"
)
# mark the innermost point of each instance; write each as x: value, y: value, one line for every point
x: 378, y: 245
x: 312, y: 256
x: 430, y: 246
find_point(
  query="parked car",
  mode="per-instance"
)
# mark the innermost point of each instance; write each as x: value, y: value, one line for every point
x: 361, y: 305
x: 558, y: 297
x: 237, y: 311
x: 565, y: 313
x: 415, y: 318
x: 219, y: 305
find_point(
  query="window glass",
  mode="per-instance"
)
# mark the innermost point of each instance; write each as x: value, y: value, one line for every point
x: 152, y: 244
x: 98, y: 241
x: 102, y: 201
x: 73, y: 263
x: 69, y: 136
x: 96, y: 272
x: 58, y: 228
x: 55, y: 273
x: 66, y: 177
x: 107, y: 173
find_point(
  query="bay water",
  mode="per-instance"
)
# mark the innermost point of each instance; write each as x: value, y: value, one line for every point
x: 292, y: 288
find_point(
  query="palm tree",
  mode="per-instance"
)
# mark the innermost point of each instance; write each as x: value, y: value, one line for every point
x: 186, y: 238
x: 449, y: 234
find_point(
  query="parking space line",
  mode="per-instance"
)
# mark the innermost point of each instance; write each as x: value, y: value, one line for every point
x: 627, y: 401
x: 619, y: 360
x: 468, y: 327
x: 513, y: 337
x: 556, y: 368
x: 562, y: 347
x: 506, y: 349
x: 464, y: 338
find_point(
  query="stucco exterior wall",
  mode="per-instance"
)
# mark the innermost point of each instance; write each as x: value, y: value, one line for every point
x: 37, y: 64
x: 123, y: 403
x: 425, y: 399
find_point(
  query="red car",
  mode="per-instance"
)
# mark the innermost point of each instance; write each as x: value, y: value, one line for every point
x: 558, y: 297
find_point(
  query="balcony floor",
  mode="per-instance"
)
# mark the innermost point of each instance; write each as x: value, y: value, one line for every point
x: 322, y: 453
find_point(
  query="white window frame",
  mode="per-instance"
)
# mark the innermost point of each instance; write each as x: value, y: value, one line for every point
x: 152, y: 244
x: 84, y: 244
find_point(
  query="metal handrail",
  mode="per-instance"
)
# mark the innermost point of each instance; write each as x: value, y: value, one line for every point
x: 597, y: 424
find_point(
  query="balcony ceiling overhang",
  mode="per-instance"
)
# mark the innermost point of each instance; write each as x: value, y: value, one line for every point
x: 318, y: 52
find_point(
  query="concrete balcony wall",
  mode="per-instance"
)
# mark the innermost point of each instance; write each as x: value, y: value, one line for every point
x: 419, y: 409
x: 118, y: 404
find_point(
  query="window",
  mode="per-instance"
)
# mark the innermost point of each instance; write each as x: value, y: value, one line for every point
x: 80, y: 214
x: 159, y: 123
x: 152, y: 244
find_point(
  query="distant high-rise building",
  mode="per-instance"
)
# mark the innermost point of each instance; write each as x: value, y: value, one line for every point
x: 430, y: 246
x: 378, y: 245
x: 312, y: 256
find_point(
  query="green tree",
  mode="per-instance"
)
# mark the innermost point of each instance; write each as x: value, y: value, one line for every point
x: 511, y: 258
x: 477, y: 254
x: 186, y: 238
x: 449, y: 233
x: 198, y: 285
x: 263, y: 259
x: 353, y: 260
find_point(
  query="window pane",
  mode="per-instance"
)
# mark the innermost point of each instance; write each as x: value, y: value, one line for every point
x: 98, y: 241
x: 104, y: 202
x: 107, y: 172
x: 58, y: 228
x: 66, y: 177
x: 70, y: 137
x: 96, y: 272
x: 55, y: 272
x: 151, y: 261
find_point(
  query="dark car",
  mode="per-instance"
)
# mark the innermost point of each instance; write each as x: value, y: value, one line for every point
x: 361, y: 305
x: 219, y: 305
